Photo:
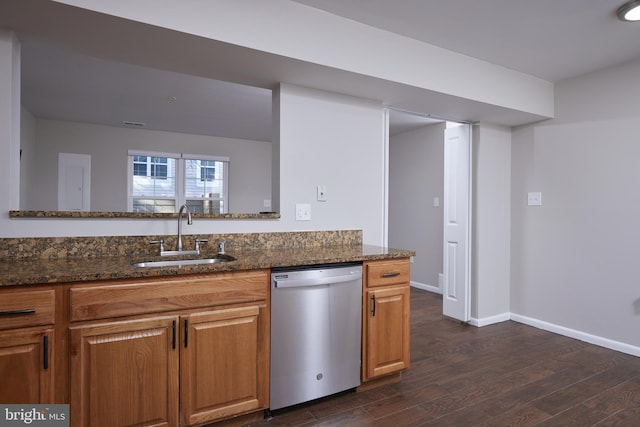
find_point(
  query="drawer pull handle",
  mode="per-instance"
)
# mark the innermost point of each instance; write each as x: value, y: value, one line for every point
x: 17, y: 312
x: 394, y: 274
x: 45, y: 350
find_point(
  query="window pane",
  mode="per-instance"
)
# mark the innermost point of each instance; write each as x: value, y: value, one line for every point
x: 140, y: 169
x: 140, y: 165
x: 204, y: 179
x: 160, y: 182
x: 207, y: 206
x: 159, y: 167
x: 154, y: 205
x: 207, y: 170
x: 159, y: 171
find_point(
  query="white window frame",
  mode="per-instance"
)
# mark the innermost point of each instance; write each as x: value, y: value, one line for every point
x: 180, y: 159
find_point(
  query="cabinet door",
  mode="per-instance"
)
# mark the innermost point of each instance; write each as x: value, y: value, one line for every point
x: 125, y: 373
x: 387, y: 331
x: 224, y: 365
x: 26, y: 366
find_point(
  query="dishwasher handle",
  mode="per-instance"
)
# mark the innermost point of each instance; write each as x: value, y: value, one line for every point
x: 293, y: 283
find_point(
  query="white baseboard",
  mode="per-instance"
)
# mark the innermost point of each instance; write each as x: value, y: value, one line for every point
x: 485, y: 321
x: 582, y: 336
x: 426, y: 287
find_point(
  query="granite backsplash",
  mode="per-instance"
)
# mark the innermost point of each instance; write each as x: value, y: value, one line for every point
x: 101, y: 246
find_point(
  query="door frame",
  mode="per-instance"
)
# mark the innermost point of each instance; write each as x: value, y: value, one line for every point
x: 468, y: 201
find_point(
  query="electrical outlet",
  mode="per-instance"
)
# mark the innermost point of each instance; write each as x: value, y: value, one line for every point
x: 534, y: 198
x: 303, y: 212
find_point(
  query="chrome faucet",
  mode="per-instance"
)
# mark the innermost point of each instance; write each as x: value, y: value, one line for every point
x: 179, y: 247
x: 189, y: 222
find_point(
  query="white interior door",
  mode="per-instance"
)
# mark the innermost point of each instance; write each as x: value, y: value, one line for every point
x: 74, y: 182
x: 457, y: 223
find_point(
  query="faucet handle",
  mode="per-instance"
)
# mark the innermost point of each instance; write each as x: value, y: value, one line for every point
x: 158, y: 242
x: 198, y: 241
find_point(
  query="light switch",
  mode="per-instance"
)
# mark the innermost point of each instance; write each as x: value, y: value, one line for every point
x: 436, y: 202
x: 534, y: 199
x: 303, y: 212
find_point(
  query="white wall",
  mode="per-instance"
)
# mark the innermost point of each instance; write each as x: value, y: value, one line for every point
x: 416, y: 176
x: 574, y: 259
x: 491, y: 226
x: 249, y: 172
x: 9, y: 120
x: 27, y: 157
x: 336, y: 141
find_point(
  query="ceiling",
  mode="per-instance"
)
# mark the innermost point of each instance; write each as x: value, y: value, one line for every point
x: 63, y: 85
x: 544, y: 38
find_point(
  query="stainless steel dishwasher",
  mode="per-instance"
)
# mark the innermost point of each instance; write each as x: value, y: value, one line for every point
x: 315, y: 332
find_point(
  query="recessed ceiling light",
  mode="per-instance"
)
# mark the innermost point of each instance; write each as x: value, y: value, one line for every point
x: 630, y: 11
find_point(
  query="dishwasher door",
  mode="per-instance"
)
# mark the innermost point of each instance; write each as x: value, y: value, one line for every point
x: 315, y: 333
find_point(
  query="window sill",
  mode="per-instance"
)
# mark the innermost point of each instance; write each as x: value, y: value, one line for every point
x: 135, y: 215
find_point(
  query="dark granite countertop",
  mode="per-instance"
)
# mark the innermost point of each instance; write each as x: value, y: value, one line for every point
x: 79, y: 269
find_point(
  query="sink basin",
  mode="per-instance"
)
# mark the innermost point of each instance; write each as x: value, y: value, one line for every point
x: 183, y: 262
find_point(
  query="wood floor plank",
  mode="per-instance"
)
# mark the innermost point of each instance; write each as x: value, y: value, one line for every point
x: 520, y: 416
x: 583, y: 390
x: 410, y: 417
x: 618, y: 398
x: 576, y: 416
x: 628, y: 417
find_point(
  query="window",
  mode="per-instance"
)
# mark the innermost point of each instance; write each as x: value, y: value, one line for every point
x: 161, y: 182
x: 205, y: 184
x: 156, y: 167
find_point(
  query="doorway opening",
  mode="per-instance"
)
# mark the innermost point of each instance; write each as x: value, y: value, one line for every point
x: 429, y: 203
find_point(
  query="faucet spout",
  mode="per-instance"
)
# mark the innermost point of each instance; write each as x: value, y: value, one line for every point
x: 183, y: 208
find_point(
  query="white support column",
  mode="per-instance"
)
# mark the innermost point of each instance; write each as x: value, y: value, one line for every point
x: 9, y: 122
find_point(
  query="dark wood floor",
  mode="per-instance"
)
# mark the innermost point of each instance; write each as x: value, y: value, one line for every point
x: 506, y: 374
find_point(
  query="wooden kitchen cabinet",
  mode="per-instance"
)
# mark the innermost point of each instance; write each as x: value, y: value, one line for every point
x: 27, y: 345
x: 26, y: 365
x: 224, y: 366
x: 125, y: 373
x: 385, y: 318
x: 169, y: 351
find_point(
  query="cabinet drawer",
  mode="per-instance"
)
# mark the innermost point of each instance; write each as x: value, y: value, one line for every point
x: 126, y: 298
x: 382, y: 273
x: 30, y: 307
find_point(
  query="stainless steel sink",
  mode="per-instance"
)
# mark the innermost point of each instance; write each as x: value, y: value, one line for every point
x: 183, y: 262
